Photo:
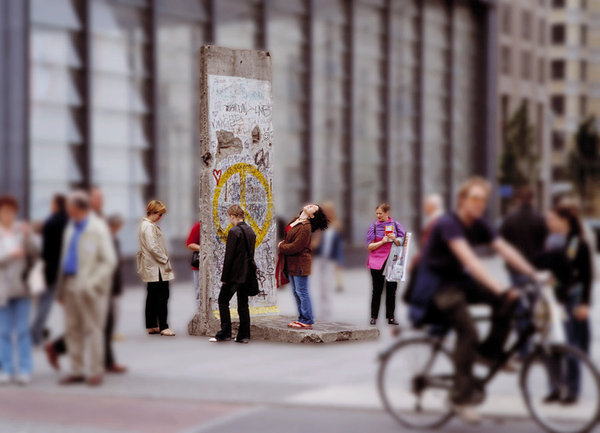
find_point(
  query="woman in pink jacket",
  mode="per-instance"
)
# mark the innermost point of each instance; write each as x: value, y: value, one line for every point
x: 380, y: 236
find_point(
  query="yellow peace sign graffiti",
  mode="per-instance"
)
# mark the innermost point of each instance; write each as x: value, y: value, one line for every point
x: 243, y: 170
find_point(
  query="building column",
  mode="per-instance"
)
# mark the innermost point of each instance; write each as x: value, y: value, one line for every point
x: 487, y: 159
x: 14, y: 101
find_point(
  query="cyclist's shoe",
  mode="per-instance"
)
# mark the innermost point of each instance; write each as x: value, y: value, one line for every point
x: 467, y: 413
x: 553, y: 397
x: 509, y: 366
x: 569, y: 400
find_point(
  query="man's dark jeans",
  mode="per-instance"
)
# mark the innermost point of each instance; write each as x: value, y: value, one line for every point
x: 225, y: 295
x: 451, y: 303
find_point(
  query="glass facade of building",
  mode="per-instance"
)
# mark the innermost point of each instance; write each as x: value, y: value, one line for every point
x: 374, y: 100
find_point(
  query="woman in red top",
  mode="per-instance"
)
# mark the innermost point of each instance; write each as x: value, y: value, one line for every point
x: 193, y: 243
x: 296, y: 249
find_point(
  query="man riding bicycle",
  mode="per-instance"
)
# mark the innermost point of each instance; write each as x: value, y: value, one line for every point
x: 451, y: 277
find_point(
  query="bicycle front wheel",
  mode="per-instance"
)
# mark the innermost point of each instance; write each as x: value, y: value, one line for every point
x: 414, y: 380
x: 561, y: 388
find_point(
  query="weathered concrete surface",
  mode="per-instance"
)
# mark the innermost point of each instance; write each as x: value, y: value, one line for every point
x: 274, y: 328
x: 236, y: 142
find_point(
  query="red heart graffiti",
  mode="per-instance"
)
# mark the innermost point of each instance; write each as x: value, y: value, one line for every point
x: 217, y: 174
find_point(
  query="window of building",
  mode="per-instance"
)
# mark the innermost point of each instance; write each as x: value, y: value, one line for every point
x: 541, y: 71
x: 583, y: 70
x: 526, y: 65
x: 582, y: 106
x: 559, y: 173
x: 542, y: 32
x: 583, y: 36
x: 506, y: 19
x: 559, y: 34
x: 557, y: 103
x: 526, y: 25
x: 557, y: 69
x: 557, y: 4
x: 558, y: 141
x: 505, y: 61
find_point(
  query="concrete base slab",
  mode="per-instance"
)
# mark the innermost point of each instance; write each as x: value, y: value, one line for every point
x: 274, y: 328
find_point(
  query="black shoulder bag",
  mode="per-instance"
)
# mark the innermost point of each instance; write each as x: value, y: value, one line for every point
x: 252, y: 288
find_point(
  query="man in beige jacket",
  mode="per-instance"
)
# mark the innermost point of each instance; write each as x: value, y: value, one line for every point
x: 87, y: 263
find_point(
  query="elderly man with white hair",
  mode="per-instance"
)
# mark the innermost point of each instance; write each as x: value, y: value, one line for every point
x: 85, y: 275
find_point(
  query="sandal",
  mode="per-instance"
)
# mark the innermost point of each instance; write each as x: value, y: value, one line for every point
x: 167, y: 333
x: 152, y: 331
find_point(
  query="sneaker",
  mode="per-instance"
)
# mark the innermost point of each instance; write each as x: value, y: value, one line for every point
x: 569, y: 400
x: 373, y: 321
x: 467, y: 413
x: 510, y: 366
x: 218, y: 340
x: 23, y: 379
x: 553, y: 397
x: 5, y: 379
x: 393, y: 321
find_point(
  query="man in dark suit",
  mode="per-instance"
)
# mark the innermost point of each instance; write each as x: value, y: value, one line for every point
x: 525, y: 229
x: 238, y: 251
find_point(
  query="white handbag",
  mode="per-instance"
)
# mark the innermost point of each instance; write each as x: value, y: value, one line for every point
x: 395, y: 268
x: 36, y: 280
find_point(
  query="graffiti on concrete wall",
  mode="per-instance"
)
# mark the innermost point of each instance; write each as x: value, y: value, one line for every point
x: 240, y: 156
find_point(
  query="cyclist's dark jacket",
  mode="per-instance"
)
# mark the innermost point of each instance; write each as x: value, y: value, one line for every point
x: 438, y: 263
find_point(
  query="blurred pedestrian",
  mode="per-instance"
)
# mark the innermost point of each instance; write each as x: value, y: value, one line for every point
x: 525, y: 229
x: 154, y: 267
x: 52, y: 237
x: 17, y: 255
x: 115, y: 223
x: 97, y: 201
x: 239, y: 250
x: 380, y: 236
x: 575, y: 295
x: 296, y: 249
x: 433, y: 208
x: 573, y: 203
x: 328, y: 257
x: 193, y: 244
x: 88, y: 261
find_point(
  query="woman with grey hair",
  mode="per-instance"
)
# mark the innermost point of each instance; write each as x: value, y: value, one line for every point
x: 17, y: 254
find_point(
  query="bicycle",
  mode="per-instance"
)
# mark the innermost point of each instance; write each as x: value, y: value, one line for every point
x: 416, y: 374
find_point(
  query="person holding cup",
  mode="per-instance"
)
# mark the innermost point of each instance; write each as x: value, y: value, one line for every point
x: 380, y: 236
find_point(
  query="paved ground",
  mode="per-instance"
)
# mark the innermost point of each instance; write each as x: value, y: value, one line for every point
x: 186, y: 384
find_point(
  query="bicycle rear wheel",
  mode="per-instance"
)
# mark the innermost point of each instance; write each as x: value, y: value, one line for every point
x: 414, y: 381
x: 548, y: 369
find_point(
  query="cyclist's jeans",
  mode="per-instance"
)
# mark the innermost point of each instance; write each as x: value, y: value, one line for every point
x: 452, y: 304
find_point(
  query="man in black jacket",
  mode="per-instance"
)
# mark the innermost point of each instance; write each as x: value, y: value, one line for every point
x: 525, y: 229
x: 238, y: 251
x: 52, y: 237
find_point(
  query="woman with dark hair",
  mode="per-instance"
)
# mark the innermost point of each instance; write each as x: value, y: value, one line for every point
x: 296, y: 249
x: 574, y: 293
x: 380, y: 236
